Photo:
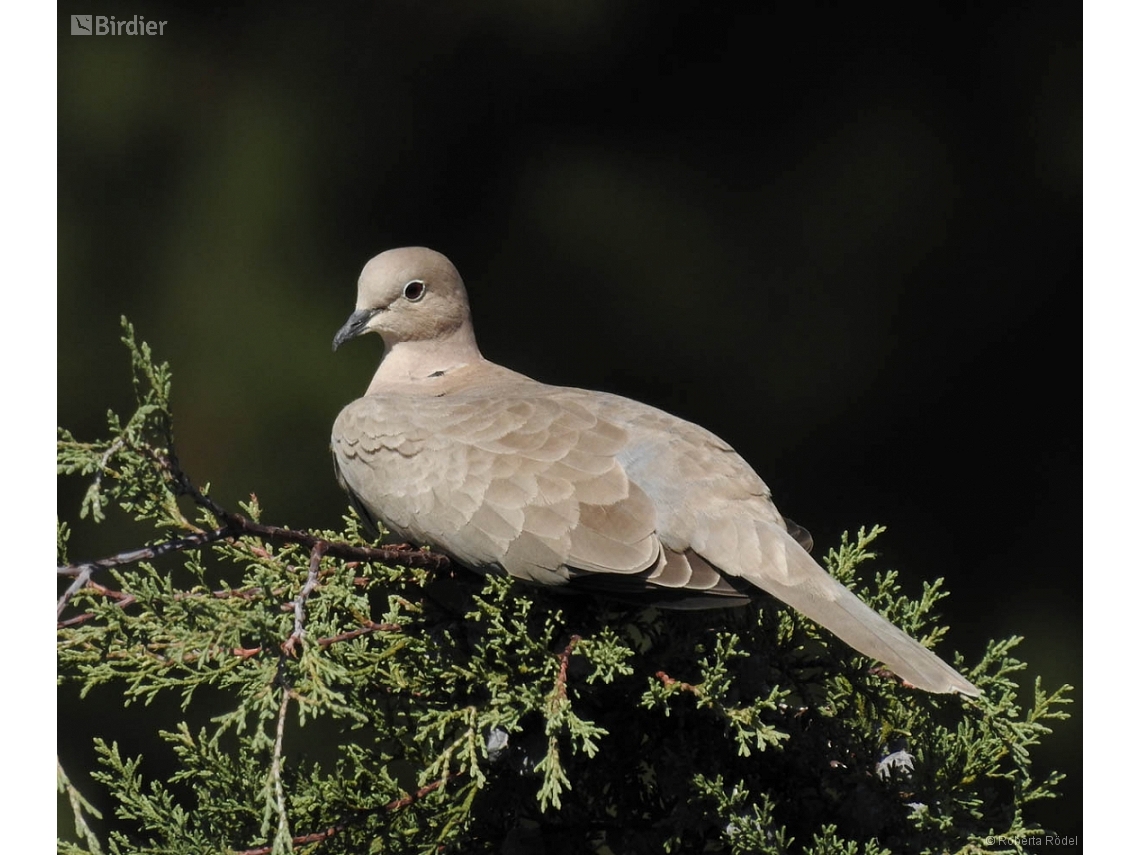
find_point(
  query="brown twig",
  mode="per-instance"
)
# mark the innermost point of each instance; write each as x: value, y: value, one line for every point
x: 123, y: 600
x: 82, y: 577
x: 313, y: 837
x: 406, y: 801
x: 250, y: 652
x: 83, y: 571
x: 669, y: 682
x: 146, y: 553
x: 370, y: 626
x: 75, y: 620
x: 290, y: 644
x: 332, y: 830
x: 403, y: 554
x: 238, y: 526
x: 356, y: 633
x: 338, y: 549
x: 888, y: 674
x: 564, y: 666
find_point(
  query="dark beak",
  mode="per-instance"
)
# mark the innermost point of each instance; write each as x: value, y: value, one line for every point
x: 354, y: 326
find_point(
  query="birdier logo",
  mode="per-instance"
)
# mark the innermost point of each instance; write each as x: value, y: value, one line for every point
x: 101, y: 25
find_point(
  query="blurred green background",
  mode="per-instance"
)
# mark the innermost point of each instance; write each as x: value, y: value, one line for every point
x: 845, y: 238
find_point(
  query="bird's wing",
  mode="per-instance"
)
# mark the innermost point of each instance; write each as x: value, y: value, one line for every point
x: 530, y: 485
x: 711, y: 504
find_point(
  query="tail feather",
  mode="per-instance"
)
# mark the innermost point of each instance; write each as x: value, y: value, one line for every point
x: 799, y: 581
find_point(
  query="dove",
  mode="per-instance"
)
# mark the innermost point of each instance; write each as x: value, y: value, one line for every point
x: 566, y: 487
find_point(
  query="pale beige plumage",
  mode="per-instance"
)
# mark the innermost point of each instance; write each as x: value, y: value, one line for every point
x: 562, y: 486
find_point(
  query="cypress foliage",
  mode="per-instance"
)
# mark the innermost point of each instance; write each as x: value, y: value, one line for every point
x: 381, y: 700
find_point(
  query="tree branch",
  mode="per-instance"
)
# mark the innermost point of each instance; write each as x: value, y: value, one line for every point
x: 275, y: 769
x: 564, y: 665
x: 332, y: 830
x: 290, y: 644
x: 234, y: 527
x: 239, y: 526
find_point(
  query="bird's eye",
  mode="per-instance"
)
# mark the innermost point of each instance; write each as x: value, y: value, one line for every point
x: 414, y: 290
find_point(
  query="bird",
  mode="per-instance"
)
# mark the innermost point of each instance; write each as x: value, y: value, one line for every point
x: 566, y: 487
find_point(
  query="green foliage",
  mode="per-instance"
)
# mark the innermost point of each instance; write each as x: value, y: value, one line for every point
x: 358, y: 707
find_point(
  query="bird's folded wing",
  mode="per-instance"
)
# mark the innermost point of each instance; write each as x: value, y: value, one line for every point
x: 530, y: 485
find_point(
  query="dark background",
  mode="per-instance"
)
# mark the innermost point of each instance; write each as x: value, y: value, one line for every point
x: 847, y: 240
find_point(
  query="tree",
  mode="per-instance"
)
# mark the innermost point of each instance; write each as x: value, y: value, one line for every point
x: 380, y: 699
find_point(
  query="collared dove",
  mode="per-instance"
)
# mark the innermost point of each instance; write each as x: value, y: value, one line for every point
x: 568, y: 487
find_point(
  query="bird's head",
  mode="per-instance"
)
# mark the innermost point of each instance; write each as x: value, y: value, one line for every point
x: 408, y: 294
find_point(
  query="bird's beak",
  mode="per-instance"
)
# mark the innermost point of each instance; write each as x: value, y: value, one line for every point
x: 356, y: 324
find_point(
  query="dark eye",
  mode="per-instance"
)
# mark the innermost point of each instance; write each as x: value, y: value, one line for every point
x: 414, y: 290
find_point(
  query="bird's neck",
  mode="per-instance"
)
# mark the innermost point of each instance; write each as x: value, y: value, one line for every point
x: 416, y: 361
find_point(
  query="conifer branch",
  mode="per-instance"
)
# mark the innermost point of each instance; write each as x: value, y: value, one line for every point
x: 409, y: 677
x: 426, y: 790
x: 82, y: 577
x: 564, y: 666
x: 236, y: 526
x: 669, y: 683
x: 359, y: 631
x: 391, y: 807
x: 313, y: 837
x: 79, y: 806
x: 147, y: 553
x: 275, y: 774
x: 310, y: 585
x: 239, y: 526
